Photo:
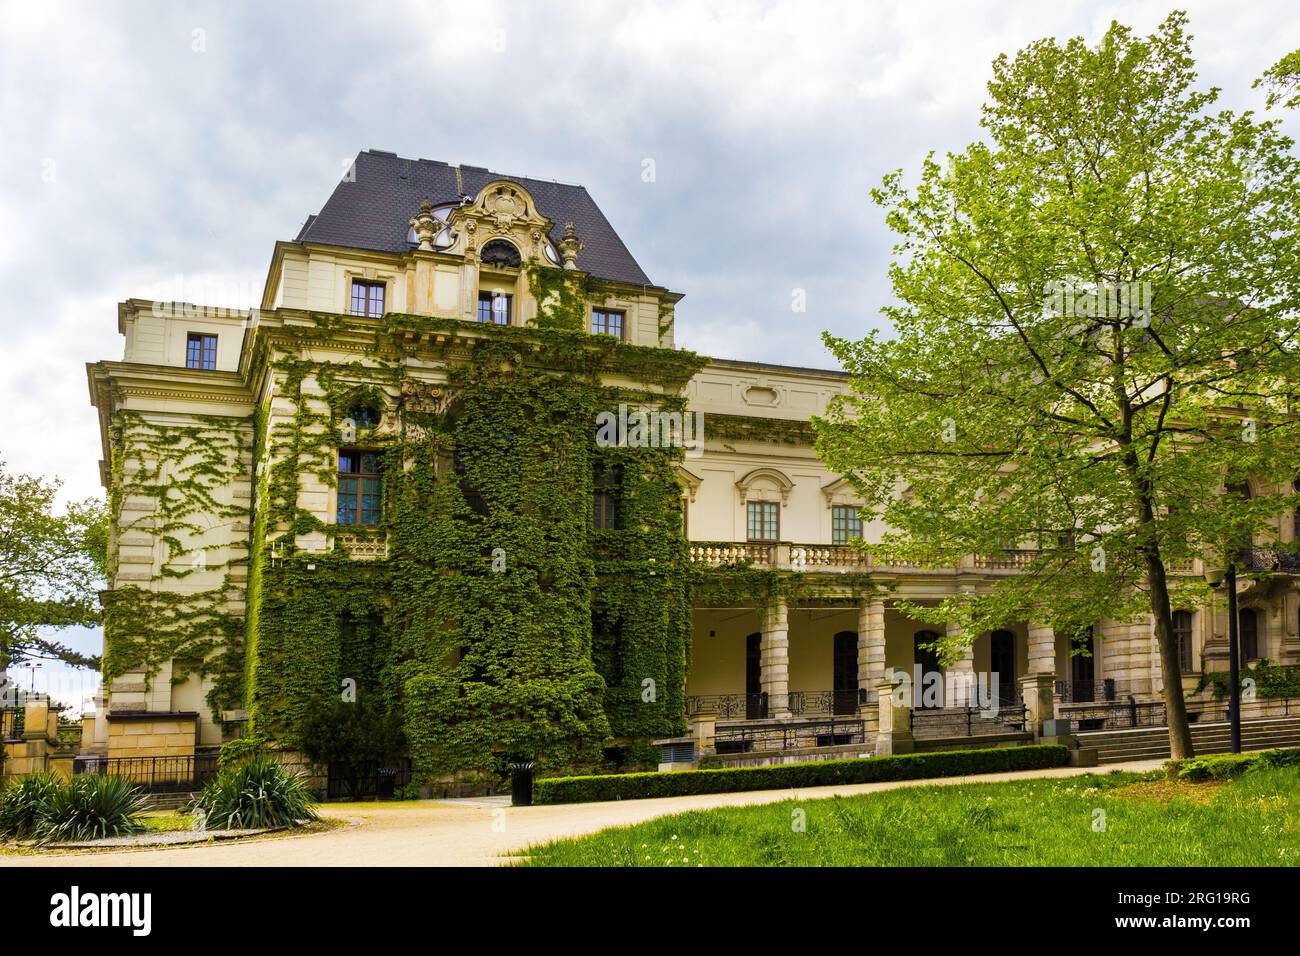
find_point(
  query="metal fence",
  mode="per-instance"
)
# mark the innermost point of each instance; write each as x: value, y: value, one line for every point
x: 368, y: 779
x: 12, y: 723
x: 181, y: 774
x: 1115, y: 715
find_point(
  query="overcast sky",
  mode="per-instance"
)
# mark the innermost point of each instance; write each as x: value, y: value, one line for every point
x: 142, y: 142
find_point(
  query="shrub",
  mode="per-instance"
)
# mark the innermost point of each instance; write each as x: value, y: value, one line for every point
x: 23, y: 802
x: 90, y: 807
x: 255, y: 794
x: 636, y: 786
x: 1228, y: 766
x: 352, y: 739
x: 235, y: 752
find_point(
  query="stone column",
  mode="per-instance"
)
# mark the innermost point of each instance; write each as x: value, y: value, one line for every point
x: 774, y: 659
x: 1036, y: 692
x: 871, y: 644
x: 959, y: 676
x: 895, y: 731
x: 702, y: 726
x: 1041, y: 649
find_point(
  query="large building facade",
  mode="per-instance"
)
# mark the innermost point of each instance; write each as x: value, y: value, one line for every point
x: 389, y: 482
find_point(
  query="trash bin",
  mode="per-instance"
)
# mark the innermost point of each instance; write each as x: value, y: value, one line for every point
x: 386, y: 783
x: 521, y: 783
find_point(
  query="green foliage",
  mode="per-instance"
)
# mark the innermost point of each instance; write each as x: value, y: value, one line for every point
x: 51, y: 568
x: 1017, y: 415
x: 1228, y: 766
x: 235, y: 752
x: 1020, y: 823
x: 184, y: 472
x: 561, y: 297
x: 23, y: 803
x: 255, y: 794
x: 89, y: 807
x: 352, y: 737
x: 637, y: 786
x: 1271, y: 680
x: 1282, y: 80
x: 480, y: 664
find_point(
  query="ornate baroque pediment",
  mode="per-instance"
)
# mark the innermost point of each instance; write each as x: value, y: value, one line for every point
x: 502, y: 210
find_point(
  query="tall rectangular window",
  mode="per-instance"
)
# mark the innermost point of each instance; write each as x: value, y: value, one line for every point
x: 367, y: 298
x: 764, y: 521
x: 494, y: 307
x: 1183, y: 638
x: 606, y: 483
x: 607, y: 322
x: 201, y: 351
x: 360, y: 487
x: 846, y: 524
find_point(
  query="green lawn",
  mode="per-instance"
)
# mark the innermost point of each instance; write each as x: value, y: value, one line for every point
x: 1147, y: 821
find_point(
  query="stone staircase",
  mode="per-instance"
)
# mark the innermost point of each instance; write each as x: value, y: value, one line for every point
x: 1151, y: 743
x: 168, y: 801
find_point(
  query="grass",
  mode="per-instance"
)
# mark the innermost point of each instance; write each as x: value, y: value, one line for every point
x: 166, y: 822
x: 1116, y: 819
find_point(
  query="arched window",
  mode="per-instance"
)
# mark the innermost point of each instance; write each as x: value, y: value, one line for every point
x: 1183, y: 638
x: 498, y: 252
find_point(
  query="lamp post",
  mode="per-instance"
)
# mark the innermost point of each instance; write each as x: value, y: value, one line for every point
x: 1228, y: 577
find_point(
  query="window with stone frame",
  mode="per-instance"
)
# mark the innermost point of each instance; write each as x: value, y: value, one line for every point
x: 360, y: 488
x: 1183, y: 639
x: 846, y: 524
x: 764, y: 521
x: 367, y: 298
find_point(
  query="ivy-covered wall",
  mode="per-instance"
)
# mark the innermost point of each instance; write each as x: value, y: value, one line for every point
x: 171, y: 483
x: 501, y: 622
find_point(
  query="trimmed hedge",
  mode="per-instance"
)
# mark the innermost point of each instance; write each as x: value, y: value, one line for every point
x: 1228, y: 766
x: 955, y: 763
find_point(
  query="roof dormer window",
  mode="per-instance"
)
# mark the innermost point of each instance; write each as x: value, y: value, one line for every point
x: 498, y: 252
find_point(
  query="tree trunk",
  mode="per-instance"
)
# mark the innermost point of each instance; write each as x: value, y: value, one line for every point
x: 1180, y: 731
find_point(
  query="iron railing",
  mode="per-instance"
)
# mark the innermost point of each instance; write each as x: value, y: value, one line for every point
x: 1089, y: 691
x: 968, y: 721
x: 783, y: 736
x: 800, y: 703
x: 13, y: 720
x: 1115, y: 715
x: 180, y: 774
x: 368, y: 779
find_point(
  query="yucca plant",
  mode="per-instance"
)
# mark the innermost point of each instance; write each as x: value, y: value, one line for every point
x: 23, y: 802
x: 255, y: 794
x: 90, y: 807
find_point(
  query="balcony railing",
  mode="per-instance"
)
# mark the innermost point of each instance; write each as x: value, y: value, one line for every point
x: 362, y: 547
x: 793, y: 556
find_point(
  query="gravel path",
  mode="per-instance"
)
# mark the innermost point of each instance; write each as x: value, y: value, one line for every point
x: 475, y: 832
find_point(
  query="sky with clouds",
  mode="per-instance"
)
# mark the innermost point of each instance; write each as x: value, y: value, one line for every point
x: 150, y: 147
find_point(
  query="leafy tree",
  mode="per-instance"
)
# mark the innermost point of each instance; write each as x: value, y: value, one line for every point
x: 1023, y: 400
x: 52, y: 565
x: 354, y: 737
x: 1282, y: 80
